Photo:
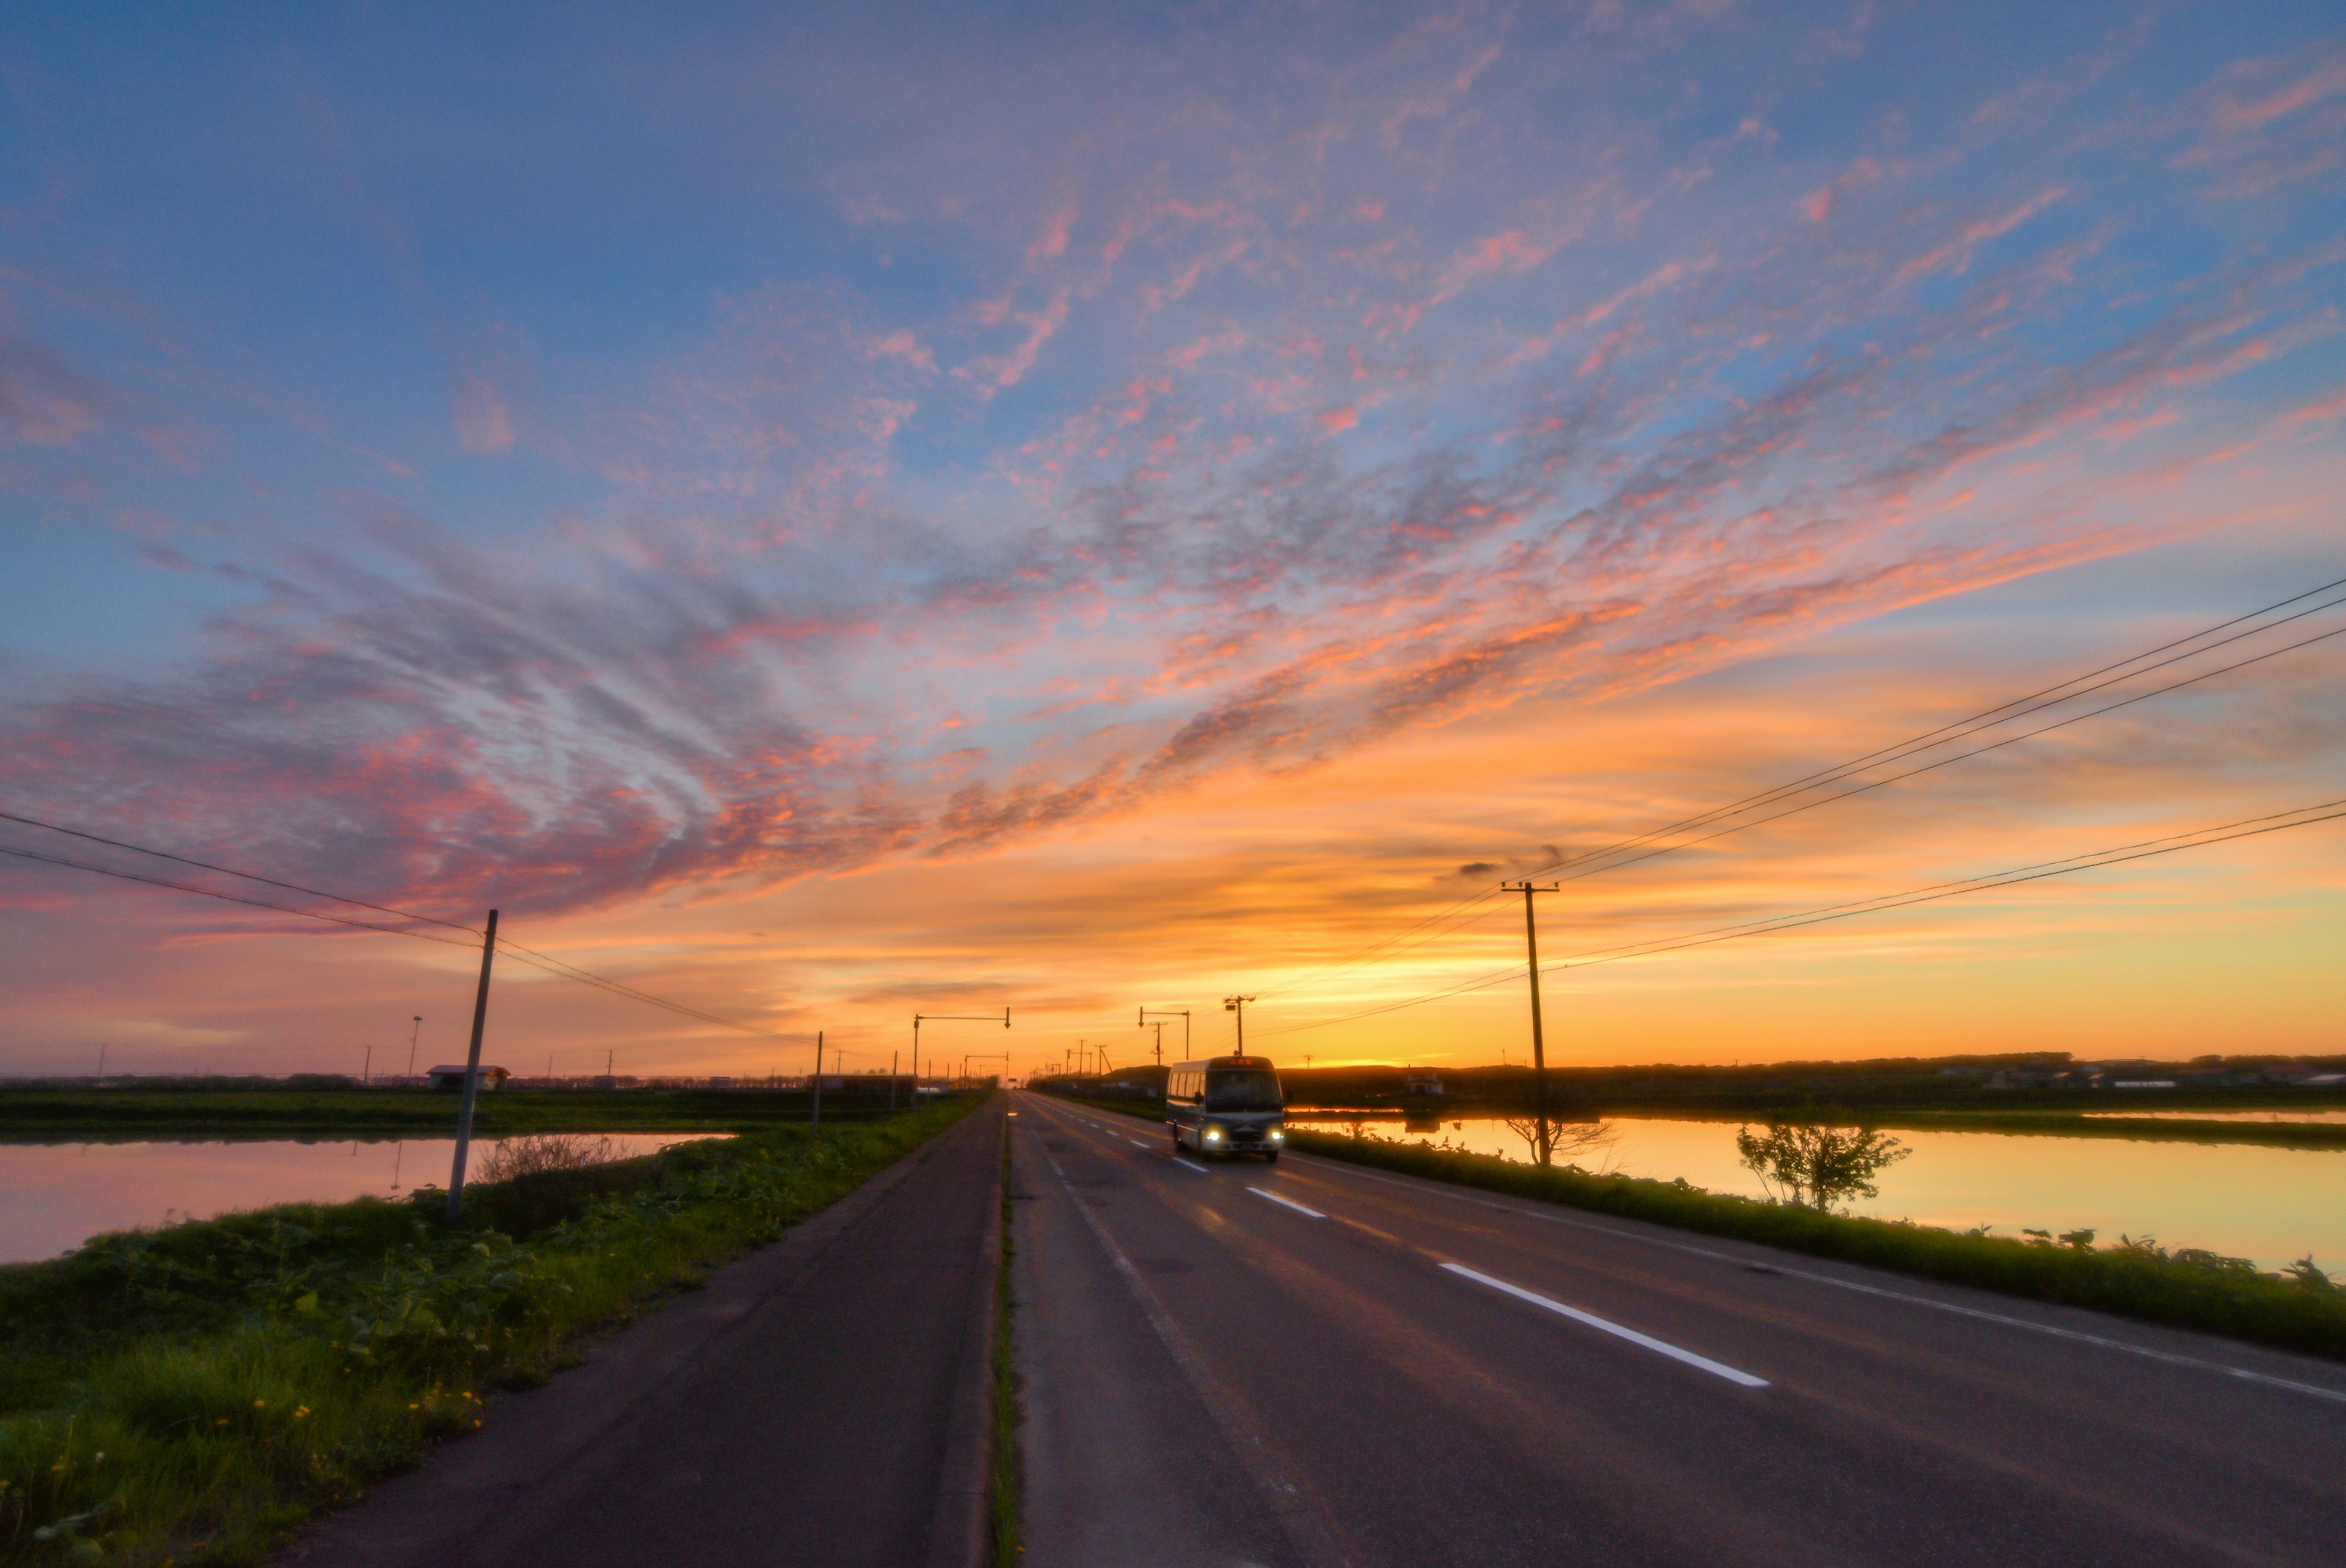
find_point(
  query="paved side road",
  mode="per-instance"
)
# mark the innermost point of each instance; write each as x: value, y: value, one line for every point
x: 823, y: 1401
x: 1315, y: 1364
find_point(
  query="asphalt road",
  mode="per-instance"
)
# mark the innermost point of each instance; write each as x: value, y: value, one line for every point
x: 1313, y: 1364
x: 822, y: 1401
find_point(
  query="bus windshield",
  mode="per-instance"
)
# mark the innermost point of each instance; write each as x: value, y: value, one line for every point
x: 1242, y: 1089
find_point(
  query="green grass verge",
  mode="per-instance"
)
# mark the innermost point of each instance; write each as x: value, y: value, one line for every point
x: 187, y: 1395
x: 1005, y: 1476
x: 2184, y: 1290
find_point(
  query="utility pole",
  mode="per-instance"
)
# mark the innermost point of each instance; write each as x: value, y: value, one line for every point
x: 1237, y: 1005
x: 472, y: 1073
x: 101, y: 1064
x: 1539, y: 1045
x: 1183, y: 1014
x: 1160, y: 1027
x: 412, y: 1036
x: 818, y: 1078
x: 893, y: 1058
x: 366, y: 1072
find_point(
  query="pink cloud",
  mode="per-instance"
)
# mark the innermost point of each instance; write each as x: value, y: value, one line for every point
x: 483, y: 423
x: 900, y: 344
x: 996, y: 373
x: 1955, y: 254
x: 1052, y: 242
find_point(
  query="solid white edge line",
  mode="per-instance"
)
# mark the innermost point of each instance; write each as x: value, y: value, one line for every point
x: 1199, y: 1169
x: 1715, y: 1369
x: 1136, y: 1144
x: 1480, y: 1200
x: 1288, y: 1202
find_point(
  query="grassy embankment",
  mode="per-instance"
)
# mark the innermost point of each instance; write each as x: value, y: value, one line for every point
x: 186, y: 1395
x: 2185, y: 1289
x: 343, y: 1114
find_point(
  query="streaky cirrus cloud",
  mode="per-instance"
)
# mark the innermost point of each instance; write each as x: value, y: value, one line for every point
x: 1229, y: 412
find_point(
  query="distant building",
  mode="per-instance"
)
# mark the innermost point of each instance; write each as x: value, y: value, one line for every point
x: 454, y: 1078
x: 1422, y: 1083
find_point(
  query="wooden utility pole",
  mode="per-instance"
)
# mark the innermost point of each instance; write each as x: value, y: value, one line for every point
x: 472, y: 1073
x: 1539, y: 1045
x: 1237, y: 1005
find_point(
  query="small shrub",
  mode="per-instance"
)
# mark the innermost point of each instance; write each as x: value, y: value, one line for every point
x: 535, y: 1153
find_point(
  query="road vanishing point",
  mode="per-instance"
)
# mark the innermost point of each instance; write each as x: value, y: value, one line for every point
x: 1313, y: 1364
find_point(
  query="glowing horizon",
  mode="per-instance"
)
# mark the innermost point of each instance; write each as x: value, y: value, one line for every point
x: 825, y: 519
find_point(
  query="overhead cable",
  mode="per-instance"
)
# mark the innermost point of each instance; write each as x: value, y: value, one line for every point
x: 2003, y: 712
x: 512, y: 950
x: 2246, y: 828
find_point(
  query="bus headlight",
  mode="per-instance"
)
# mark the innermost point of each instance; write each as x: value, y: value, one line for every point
x: 1278, y: 1137
x: 1213, y: 1135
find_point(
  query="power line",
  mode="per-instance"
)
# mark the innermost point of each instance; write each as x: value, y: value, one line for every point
x: 227, y: 898
x: 2246, y: 828
x: 535, y: 960
x: 1975, y: 752
x: 232, y: 872
x: 1987, y: 718
x: 2037, y: 701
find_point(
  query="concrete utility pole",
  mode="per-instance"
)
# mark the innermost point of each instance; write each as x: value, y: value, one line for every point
x: 472, y: 1073
x: 1539, y: 1045
x: 1183, y: 1014
x: 818, y: 1078
x: 412, y: 1036
x: 1160, y: 1027
x: 1237, y: 1005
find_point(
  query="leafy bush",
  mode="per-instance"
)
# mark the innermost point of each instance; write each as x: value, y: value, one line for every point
x: 1817, y: 1165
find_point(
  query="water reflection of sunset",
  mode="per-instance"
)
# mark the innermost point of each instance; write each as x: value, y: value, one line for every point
x: 2273, y: 1205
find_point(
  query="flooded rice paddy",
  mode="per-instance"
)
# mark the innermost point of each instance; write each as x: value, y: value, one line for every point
x: 55, y: 1196
x: 2270, y: 1205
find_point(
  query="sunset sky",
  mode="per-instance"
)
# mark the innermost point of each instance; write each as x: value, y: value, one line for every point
x: 823, y: 516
